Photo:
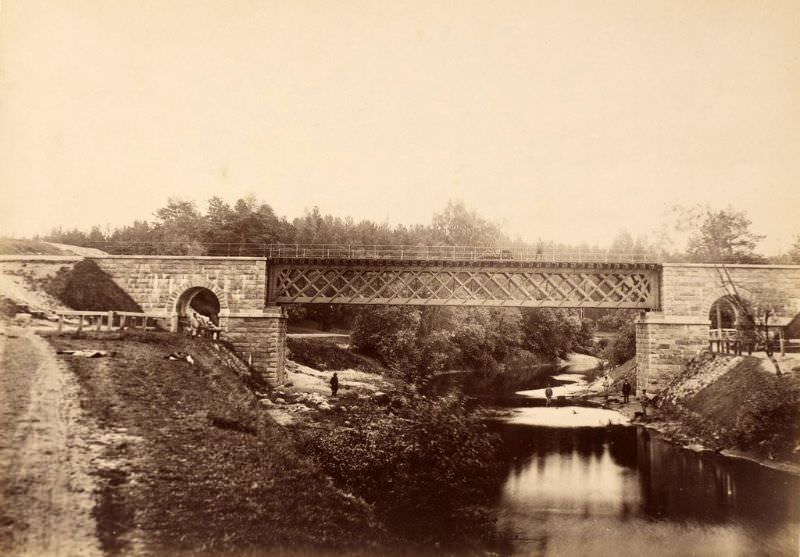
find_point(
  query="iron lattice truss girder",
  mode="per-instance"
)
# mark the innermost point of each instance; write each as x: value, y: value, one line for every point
x: 453, y: 284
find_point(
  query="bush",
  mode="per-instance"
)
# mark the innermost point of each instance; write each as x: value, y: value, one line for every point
x: 769, y: 419
x: 622, y: 347
x: 430, y: 464
x: 317, y: 353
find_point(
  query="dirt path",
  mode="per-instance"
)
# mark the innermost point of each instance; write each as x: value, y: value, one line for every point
x: 46, y: 491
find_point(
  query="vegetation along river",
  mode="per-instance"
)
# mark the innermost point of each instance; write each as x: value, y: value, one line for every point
x: 576, y: 485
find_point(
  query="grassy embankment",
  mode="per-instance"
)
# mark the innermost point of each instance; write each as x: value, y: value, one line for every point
x: 208, y: 473
x: 733, y: 403
x: 11, y: 246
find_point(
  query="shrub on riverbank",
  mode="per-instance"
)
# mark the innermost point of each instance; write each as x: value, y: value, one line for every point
x: 325, y: 354
x: 420, y: 342
x: 426, y: 465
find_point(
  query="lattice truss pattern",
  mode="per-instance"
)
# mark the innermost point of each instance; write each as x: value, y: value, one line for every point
x: 534, y: 287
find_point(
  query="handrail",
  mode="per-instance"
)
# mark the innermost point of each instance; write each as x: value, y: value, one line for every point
x: 723, y: 334
x: 457, y: 253
x: 379, y: 251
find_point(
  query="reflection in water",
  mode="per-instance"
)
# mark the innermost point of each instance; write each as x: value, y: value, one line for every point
x: 618, y: 491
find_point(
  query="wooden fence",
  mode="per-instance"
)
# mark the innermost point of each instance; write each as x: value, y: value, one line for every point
x: 98, y: 318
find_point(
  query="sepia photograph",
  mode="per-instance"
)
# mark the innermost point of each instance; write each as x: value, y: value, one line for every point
x: 420, y: 278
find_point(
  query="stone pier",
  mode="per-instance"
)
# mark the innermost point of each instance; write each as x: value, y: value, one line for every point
x: 259, y: 338
x: 664, y: 343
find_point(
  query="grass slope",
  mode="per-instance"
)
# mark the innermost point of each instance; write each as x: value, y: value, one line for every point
x: 11, y: 246
x: 212, y: 475
x: 740, y: 406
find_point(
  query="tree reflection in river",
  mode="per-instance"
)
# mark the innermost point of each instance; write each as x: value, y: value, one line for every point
x: 618, y: 490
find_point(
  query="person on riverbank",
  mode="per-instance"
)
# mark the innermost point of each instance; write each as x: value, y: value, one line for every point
x: 626, y: 391
x: 334, y: 384
x: 548, y: 393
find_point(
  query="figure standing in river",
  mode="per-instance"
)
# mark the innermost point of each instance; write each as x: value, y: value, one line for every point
x: 334, y: 384
x: 626, y: 391
x: 548, y: 393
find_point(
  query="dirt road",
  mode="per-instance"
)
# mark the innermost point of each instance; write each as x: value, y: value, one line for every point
x: 46, y: 490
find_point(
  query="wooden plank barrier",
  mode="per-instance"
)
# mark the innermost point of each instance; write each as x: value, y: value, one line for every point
x: 109, y: 316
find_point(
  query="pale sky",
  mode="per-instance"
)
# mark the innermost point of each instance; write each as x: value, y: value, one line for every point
x: 563, y: 120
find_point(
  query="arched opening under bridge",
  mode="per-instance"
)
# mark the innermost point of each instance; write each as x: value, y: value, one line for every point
x: 731, y: 328
x: 199, y: 299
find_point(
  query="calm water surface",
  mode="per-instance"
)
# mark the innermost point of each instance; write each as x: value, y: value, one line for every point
x: 582, y: 488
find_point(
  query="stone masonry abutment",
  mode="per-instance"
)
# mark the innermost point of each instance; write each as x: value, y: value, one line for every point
x: 256, y: 331
x: 668, y: 338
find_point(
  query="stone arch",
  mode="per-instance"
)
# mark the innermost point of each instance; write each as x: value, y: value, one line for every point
x: 718, y: 293
x: 174, y: 298
x: 724, y: 313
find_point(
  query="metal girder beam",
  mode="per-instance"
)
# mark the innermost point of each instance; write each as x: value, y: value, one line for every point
x: 522, y: 284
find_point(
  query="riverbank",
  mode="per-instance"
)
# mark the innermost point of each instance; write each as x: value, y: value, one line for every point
x: 732, y: 405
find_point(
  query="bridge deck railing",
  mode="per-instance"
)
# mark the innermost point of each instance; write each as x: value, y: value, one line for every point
x: 378, y: 251
x: 452, y: 253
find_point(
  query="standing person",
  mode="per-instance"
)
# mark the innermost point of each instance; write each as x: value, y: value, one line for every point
x: 194, y: 323
x: 626, y: 391
x: 644, y: 401
x: 334, y: 384
x: 548, y: 393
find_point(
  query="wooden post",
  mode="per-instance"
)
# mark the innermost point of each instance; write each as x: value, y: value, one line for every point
x: 60, y: 322
x: 80, y: 324
x: 99, y: 322
x: 782, y: 341
x: 110, y: 319
x: 122, y: 320
x: 144, y: 323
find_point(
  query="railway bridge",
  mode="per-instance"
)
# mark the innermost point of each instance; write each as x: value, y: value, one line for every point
x: 249, y: 293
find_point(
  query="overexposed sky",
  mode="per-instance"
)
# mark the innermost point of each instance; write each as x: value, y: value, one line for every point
x: 565, y: 120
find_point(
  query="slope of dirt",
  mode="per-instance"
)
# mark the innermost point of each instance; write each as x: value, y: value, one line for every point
x: 77, y: 250
x: 206, y: 471
x: 11, y: 246
x: 24, y: 283
x: 731, y: 402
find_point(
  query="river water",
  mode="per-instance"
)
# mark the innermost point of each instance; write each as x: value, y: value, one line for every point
x: 581, y: 481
